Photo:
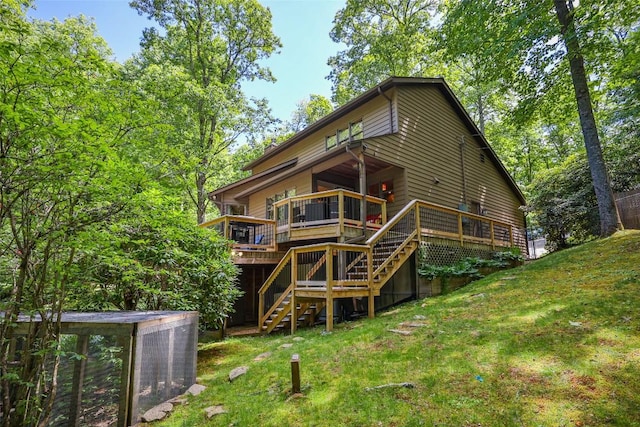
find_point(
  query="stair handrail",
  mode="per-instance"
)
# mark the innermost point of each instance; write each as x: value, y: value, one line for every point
x: 272, y: 277
x: 371, y: 241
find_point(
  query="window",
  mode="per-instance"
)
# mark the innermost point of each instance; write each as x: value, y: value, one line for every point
x: 343, y: 135
x: 353, y: 132
x: 356, y: 131
x: 383, y: 190
x: 276, y: 197
x: 331, y: 141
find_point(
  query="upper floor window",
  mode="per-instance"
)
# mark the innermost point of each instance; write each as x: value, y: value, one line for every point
x: 353, y: 132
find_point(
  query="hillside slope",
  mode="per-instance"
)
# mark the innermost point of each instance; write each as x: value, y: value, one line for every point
x: 555, y: 342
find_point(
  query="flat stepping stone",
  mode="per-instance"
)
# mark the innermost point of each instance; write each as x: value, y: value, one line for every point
x: 238, y: 372
x: 413, y: 324
x: 391, y: 385
x: 287, y: 345
x: 298, y: 339
x: 157, y: 413
x: 262, y: 356
x: 212, y: 411
x: 196, y: 389
x: 400, y: 332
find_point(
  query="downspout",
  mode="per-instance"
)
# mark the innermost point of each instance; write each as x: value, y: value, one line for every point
x: 362, y: 169
x: 380, y: 92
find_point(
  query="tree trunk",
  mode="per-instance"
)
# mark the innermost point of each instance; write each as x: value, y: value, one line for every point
x: 201, y: 181
x: 609, y: 217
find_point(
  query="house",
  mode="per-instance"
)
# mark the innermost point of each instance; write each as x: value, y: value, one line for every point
x: 332, y: 218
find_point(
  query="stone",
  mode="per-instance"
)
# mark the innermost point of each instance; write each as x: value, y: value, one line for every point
x: 196, y: 389
x: 413, y: 324
x: 262, y: 356
x: 420, y: 317
x: 400, y: 332
x: 238, y: 372
x: 287, y: 345
x: 298, y: 339
x: 157, y: 413
x: 391, y: 385
x: 178, y: 401
x: 212, y: 411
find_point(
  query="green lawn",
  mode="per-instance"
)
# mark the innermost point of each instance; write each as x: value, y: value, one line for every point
x: 552, y: 343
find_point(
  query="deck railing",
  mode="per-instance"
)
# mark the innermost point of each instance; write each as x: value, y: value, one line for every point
x: 333, y: 207
x: 333, y: 264
x: 247, y: 233
x: 323, y: 265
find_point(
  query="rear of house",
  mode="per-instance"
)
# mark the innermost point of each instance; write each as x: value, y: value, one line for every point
x: 342, y: 179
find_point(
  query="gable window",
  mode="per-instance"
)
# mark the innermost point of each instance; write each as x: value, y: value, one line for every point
x: 343, y: 135
x: 353, y: 132
x: 332, y: 141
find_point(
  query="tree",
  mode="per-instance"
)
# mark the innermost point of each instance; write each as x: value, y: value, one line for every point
x: 384, y: 38
x: 609, y: 218
x: 309, y: 111
x: 209, y: 47
x: 152, y: 257
x: 529, y: 49
x: 63, y: 113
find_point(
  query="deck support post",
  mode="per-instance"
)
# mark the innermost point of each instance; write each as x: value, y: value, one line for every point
x: 294, y: 311
x: 371, y: 311
x: 329, y: 272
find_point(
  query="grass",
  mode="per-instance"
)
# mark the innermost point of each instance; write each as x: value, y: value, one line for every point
x: 553, y: 343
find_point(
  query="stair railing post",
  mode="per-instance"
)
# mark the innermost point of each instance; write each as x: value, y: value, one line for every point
x: 493, y: 237
x: 418, y: 225
x: 370, y: 301
x: 260, y: 310
x: 511, y: 234
x: 293, y: 303
x: 329, y: 274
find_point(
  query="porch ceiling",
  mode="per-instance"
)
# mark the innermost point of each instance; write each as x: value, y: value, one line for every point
x: 349, y: 167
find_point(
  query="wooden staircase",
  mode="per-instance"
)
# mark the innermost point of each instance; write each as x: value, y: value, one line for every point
x: 311, y: 277
x: 378, y: 260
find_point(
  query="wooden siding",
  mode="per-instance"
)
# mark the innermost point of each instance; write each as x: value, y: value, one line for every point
x: 427, y: 145
x: 258, y: 201
x: 375, y: 121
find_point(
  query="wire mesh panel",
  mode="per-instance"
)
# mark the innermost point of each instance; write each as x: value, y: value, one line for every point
x: 396, y: 234
x: 311, y: 265
x: 97, y: 367
x: 164, y: 363
x: 438, y: 220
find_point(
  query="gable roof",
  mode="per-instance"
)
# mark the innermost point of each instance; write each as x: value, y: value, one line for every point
x: 378, y: 90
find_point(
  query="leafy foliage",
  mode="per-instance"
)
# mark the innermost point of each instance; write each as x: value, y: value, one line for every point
x: 154, y: 259
x: 193, y: 71
x: 77, y: 201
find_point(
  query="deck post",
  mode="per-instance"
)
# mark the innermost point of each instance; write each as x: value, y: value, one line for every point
x: 511, y: 234
x: 293, y: 302
x: 460, y: 230
x: 493, y: 240
x: 370, y: 301
x: 294, y: 311
x: 260, y: 310
x: 418, y: 225
x: 329, y: 273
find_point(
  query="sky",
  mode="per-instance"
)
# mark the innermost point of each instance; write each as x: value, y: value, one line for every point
x: 302, y: 25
